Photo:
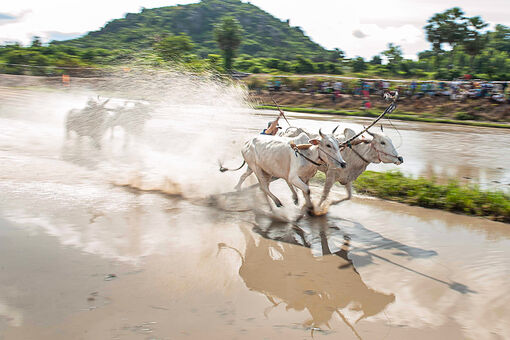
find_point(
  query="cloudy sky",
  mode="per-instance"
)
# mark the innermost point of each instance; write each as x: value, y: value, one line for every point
x: 360, y: 27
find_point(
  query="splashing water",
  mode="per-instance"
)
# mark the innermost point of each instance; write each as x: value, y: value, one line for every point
x: 195, y: 120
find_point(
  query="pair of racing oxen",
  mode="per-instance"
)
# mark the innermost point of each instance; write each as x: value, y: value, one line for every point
x: 96, y: 119
x: 295, y: 155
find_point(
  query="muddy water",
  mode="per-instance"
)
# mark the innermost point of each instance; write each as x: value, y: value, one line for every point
x: 85, y: 253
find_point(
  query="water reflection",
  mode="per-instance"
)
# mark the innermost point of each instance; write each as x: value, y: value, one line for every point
x: 288, y: 273
x: 370, y: 241
x: 80, y: 154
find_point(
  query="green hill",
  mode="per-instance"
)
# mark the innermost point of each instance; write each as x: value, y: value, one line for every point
x: 264, y: 35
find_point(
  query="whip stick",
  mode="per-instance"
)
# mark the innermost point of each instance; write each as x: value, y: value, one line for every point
x: 283, y: 115
x: 389, y: 109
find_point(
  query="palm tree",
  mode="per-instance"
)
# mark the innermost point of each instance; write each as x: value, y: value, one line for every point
x: 228, y: 35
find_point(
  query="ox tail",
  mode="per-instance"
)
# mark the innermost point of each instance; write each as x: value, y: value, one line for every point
x: 223, y: 169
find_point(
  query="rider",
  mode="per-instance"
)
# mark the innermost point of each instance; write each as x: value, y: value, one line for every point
x: 272, y: 127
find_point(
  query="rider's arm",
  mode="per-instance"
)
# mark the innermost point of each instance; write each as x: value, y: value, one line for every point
x: 273, y: 127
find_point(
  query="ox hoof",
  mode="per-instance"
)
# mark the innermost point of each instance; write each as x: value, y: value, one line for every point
x: 296, y: 201
x: 310, y: 212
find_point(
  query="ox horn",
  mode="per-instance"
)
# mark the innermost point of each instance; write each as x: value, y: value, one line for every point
x: 334, y: 130
x: 320, y: 133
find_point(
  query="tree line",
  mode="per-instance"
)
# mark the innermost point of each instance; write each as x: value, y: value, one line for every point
x: 460, y: 45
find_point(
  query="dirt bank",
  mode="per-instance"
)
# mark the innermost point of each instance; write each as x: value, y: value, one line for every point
x: 429, y: 107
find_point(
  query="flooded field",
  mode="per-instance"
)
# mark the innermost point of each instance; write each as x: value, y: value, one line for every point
x: 126, y: 242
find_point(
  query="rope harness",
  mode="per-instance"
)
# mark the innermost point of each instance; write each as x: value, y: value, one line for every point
x: 358, y: 154
x: 297, y: 152
x: 379, y: 152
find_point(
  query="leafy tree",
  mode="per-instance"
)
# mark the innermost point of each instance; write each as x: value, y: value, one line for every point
x: 174, y: 47
x: 228, y: 36
x: 36, y: 42
x: 214, y: 61
x: 303, y: 65
x: 474, y: 41
x: 500, y: 38
x: 408, y: 67
x: 331, y: 68
x: 394, y: 56
x: 447, y: 27
x: 273, y: 63
x: 376, y: 60
x: 285, y: 66
x: 335, y: 55
x: 358, y: 64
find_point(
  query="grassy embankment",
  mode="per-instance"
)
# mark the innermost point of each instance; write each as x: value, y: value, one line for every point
x: 371, y: 113
x: 454, y: 197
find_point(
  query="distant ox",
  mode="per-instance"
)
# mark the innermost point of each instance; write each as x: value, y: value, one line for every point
x: 91, y: 121
x: 275, y: 157
x: 379, y: 149
x: 130, y: 119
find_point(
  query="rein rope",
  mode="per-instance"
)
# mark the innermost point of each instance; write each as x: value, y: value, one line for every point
x: 388, y: 110
x: 327, y: 154
x: 379, y: 152
x: 319, y: 149
x: 296, y: 150
x: 359, y: 155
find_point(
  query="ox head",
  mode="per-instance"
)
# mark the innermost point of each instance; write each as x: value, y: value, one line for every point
x: 383, y: 147
x: 329, y: 150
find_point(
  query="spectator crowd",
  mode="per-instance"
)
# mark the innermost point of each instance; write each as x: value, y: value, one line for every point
x: 461, y: 89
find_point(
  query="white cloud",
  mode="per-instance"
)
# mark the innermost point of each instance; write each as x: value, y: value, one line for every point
x: 68, y: 16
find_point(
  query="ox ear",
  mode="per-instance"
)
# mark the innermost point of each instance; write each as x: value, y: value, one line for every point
x: 314, y: 141
x: 349, y: 133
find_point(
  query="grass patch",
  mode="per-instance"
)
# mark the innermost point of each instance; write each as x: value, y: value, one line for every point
x: 454, y: 197
x: 464, y: 116
x: 372, y: 113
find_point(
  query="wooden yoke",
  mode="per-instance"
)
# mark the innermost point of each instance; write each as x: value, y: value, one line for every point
x: 300, y: 146
x: 356, y: 142
x: 361, y: 140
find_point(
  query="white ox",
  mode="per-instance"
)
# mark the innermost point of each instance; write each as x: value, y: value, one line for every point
x: 379, y: 149
x: 131, y: 119
x: 91, y: 121
x: 273, y: 157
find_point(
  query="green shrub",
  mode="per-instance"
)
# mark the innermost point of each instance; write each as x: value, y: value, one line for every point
x: 470, y: 200
x: 464, y: 116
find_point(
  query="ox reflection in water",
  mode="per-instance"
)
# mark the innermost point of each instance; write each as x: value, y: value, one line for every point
x: 288, y: 273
